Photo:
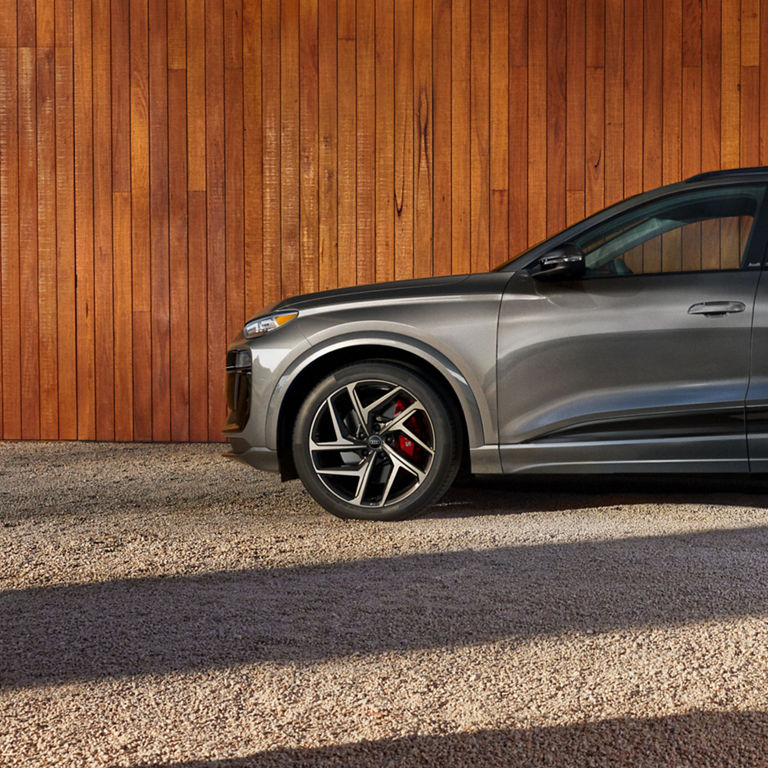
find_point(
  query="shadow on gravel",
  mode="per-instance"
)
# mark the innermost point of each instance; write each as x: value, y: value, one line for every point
x: 697, y: 739
x: 506, y: 494
x: 437, y: 600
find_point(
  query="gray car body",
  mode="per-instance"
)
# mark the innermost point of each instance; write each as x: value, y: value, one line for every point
x: 609, y: 375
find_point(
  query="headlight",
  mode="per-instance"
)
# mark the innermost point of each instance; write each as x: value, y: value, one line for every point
x: 261, y: 325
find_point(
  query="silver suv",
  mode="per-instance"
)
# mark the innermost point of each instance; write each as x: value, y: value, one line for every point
x: 633, y: 341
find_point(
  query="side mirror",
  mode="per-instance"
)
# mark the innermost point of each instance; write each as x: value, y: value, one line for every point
x: 563, y: 263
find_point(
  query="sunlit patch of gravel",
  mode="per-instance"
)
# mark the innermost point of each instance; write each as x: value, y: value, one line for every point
x: 162, y: 605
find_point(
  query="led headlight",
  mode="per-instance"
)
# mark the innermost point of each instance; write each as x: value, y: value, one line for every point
x: 261, y: 325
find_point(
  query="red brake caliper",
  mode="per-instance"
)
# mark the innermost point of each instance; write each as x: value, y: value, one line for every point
x: 405, y: 445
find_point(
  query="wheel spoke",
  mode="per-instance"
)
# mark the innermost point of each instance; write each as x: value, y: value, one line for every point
x: 415, y: 438
x: 383, y: 399
x: 344, y: 445
x: 401, y: 417
x: 335, y: 420
x: 390, y: 482
x: 350, y: 471
x: 404, y: 463
x: 362, y: 483
x: 358, y: 407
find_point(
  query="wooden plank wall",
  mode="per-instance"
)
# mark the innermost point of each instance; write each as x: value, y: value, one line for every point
x: 167, y: 167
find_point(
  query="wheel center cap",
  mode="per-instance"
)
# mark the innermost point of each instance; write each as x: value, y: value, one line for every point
x: 375, y: 442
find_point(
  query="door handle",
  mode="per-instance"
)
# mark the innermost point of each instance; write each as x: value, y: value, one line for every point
x: 710, y: 308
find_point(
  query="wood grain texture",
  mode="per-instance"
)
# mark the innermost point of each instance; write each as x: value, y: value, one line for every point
x: 66, y: 330
x: 252, y: 156
x: 141, y: 303
x: 215, y: 184
x: 422, y: 141
x: 309, y: 146
x: 479, y: 125
x: 169, y: 167
x: 9, y: 243
x: 499, y: 134
x: 365, y: 170
x: 404, y: 122
x: 46, y: 235
x: 103, y: 306
x: 122, y: 258
x: 270, y: 78
x: 328, y: 248
x: 385, y: 143
x: 28, y: 234
x: 460, y: 137
x: 346, y: 210
x: 441, y: 137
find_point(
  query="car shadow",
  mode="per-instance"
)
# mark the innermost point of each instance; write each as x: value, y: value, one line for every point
x: 519, y: 494
x: 700, y: 738
x: 449, y: 599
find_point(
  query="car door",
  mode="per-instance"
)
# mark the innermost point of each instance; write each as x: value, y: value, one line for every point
x: 757, y: 395
x: 643, y: 363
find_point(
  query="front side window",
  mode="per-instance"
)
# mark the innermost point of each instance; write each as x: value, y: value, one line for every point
x: 694, y: 232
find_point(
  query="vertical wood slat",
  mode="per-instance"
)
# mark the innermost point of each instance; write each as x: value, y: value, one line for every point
x: 537, y: 120
x: 479, y: 121
x: 46, y: 234
x: 499, y: 134
x: 575, y: 76
x: 289, y: 148
x: 365, y: 170
x: 122, y: 259
x: 234, y: 158
x: 252, y: 157
x: 84, y: 277
x: 327, y: 256
x: 158, y: 221
x: 404, y: 121
x: 556, y: 116
x: 167, y: 168
x: 441, y: 137
x: 460, y: 137
x: 422, y: 140
x: 104, y: 345
x: 66, y: 342
x: 309, y: 145
x: 140, y: 221
x: 518, y: 126
x: 9, y: 243
x: 28, y: 257
x: 196, y: 223
x: 178, y: 221
x: 270, y: 41
x: 347, y: 141
x: 215, y: 185
x: 385, y: 142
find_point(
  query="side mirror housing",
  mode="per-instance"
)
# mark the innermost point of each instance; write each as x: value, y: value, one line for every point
x: 563, y: 263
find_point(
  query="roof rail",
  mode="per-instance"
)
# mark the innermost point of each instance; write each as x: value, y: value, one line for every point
x: 758, y: 170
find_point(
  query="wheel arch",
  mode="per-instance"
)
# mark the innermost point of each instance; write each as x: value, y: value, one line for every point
x: 434, y: 367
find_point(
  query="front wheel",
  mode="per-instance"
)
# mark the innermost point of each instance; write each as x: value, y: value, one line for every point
x: 376, y: 442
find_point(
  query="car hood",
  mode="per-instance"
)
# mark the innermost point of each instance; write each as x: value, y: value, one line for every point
x: 376, y: 293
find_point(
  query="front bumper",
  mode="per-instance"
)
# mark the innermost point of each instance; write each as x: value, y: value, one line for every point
x: 258, y: 458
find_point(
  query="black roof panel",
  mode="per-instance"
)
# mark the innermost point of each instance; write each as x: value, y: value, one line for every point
x: 759, y: 170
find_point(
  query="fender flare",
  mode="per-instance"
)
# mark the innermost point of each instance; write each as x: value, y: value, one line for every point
x: 477, y: 415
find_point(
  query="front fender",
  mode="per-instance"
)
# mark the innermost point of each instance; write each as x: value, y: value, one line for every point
x: 480, y: 421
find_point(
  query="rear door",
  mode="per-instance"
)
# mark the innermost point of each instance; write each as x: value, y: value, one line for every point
x: 643, y: 364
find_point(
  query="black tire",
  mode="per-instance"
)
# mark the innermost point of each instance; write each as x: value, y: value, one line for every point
x: 375, y: 441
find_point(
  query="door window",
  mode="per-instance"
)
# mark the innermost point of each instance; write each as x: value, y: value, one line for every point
x: 698, y: 231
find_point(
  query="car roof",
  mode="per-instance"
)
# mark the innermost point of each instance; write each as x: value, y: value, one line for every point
x: 730, y: 173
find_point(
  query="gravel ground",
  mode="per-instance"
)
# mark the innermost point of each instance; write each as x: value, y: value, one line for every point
x: 162, y: 606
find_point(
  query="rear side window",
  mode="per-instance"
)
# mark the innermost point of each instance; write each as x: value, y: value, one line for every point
x: 697, y: 231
